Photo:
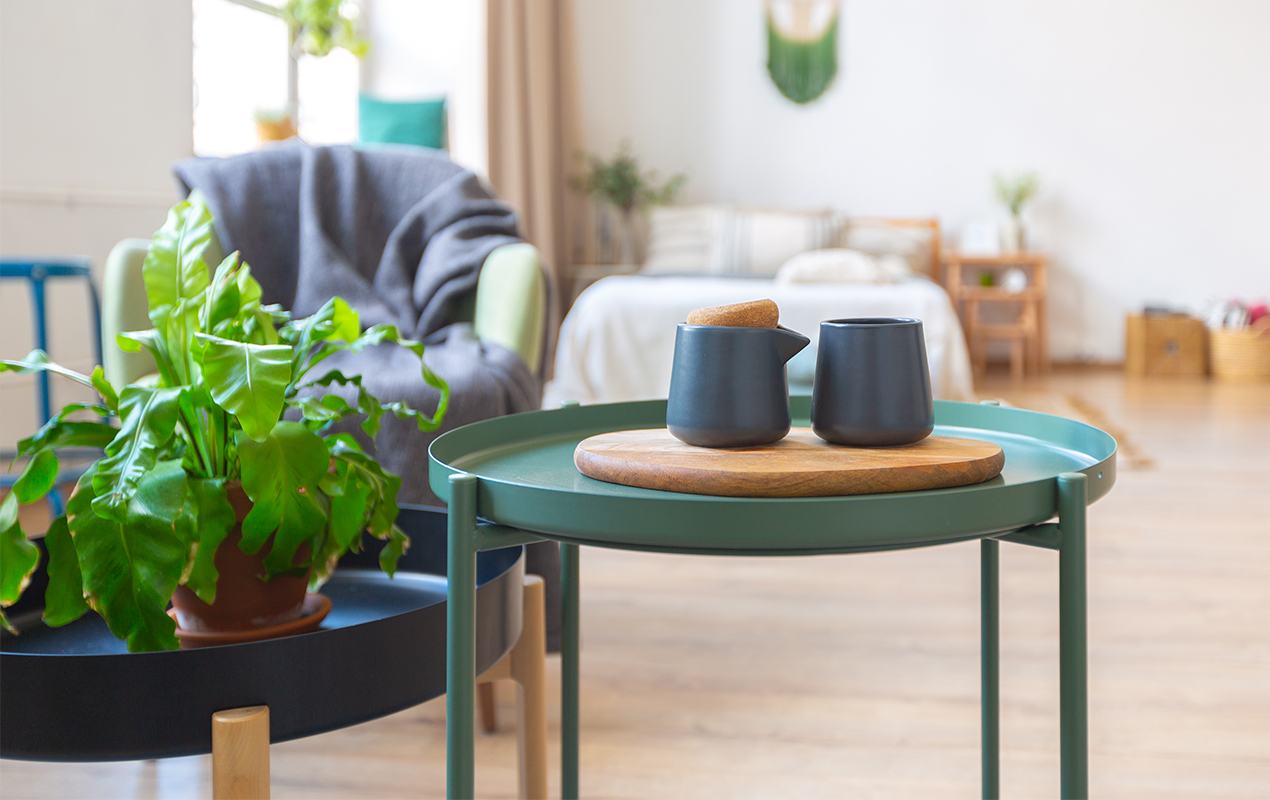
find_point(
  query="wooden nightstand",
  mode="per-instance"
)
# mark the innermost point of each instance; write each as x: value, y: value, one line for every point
x: 998, y: 311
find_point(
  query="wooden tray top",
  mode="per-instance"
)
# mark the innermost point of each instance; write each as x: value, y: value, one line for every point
x: 800, y: 465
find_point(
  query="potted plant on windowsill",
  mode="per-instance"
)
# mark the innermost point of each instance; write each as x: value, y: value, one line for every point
x: 274, y: 125
x: 202, y: 453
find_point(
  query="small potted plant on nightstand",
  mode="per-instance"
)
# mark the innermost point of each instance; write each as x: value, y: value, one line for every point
x: 203, y: 475
x: 1014, y: 192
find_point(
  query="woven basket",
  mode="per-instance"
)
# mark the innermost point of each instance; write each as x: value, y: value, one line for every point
x: 1239, y: 355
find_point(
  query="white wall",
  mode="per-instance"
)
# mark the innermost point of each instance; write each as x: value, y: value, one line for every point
x: 421, y: 49
x: 95, y: 103
x: 1149, y: 121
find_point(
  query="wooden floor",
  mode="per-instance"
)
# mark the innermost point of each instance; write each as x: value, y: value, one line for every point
x: 857, y: 677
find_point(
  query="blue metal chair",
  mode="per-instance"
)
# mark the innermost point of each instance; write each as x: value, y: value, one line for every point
x: 36, y: 272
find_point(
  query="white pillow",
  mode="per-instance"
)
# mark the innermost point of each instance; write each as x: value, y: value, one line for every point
x: 912, y: 244
x: 839, y: 265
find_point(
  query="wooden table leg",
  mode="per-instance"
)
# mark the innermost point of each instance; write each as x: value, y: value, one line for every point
x: 529, y: 670
x: 1018, y: 358
x: 489, y: 711
x: 240, y: 754
x: 1043, y: 338
x: 526, y: 664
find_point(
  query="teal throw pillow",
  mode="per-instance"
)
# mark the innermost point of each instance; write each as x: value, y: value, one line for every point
x: 419, y: 122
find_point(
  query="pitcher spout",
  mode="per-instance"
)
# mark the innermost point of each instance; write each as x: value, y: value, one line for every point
x: 789, y: 343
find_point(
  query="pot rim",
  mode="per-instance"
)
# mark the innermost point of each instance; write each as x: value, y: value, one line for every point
x: 872, y: 322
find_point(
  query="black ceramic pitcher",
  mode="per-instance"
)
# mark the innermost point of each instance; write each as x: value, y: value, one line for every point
x: 872, y: 384
x: 728, y: 386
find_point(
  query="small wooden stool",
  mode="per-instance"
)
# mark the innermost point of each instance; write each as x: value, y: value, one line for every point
x: 1023, y: 334
x: 1026, y: 333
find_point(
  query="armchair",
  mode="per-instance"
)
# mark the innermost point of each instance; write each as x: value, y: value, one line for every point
x: 508, y: 307
x: 405, y: 236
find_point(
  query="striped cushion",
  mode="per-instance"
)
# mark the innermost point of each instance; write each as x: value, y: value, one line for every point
x: 731, y: 241
x: 683, y: 240
x: 756, y: 243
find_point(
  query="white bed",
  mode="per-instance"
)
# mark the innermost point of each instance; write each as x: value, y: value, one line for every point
x: 617, y: 341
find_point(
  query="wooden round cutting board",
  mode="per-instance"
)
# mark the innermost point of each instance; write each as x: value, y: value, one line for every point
x: 800, y: 465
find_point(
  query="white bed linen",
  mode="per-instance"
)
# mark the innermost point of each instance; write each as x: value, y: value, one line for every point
x: 617, y: 342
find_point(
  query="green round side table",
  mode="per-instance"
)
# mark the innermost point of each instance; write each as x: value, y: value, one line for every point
x: 511, y: 480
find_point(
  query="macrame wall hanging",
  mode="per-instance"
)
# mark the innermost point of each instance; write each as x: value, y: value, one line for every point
x: 802, y: 46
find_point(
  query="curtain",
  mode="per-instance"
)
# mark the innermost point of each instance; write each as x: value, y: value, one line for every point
x: 534, y: 132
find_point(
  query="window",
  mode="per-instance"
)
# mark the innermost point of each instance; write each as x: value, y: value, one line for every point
x: 240, y: 68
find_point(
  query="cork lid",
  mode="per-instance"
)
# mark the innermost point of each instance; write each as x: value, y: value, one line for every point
x: 754, y: 314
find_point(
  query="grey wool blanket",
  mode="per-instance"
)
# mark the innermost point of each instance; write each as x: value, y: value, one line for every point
x: 401, y: 234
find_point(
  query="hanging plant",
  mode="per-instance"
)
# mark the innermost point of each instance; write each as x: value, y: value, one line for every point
x: 319, y: 26
x: 316, y: 27
x: 802, y: 46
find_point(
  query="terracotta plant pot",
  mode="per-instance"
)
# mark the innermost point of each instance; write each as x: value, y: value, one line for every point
x: 243, y: 601
x: 275, y: 130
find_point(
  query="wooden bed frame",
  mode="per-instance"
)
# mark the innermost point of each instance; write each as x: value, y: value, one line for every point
x: 934, y: 269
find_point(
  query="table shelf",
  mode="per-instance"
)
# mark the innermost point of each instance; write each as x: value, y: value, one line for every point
x: 76, y: 694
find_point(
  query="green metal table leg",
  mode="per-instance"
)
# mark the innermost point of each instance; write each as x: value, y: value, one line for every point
x: 569, y: 564
x: 989, y: 662
x: 460, y: 622
x: 1073, y: 697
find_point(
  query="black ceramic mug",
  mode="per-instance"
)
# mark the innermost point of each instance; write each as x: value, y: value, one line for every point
x: 728, y: 386
x: 872, y: 384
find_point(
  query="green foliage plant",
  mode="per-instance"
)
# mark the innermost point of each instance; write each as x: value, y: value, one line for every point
x: 150, y: 513
x: 316, y: 27
x: 319, y: 26
x: 620, y: 182
x: 1014, y: 191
